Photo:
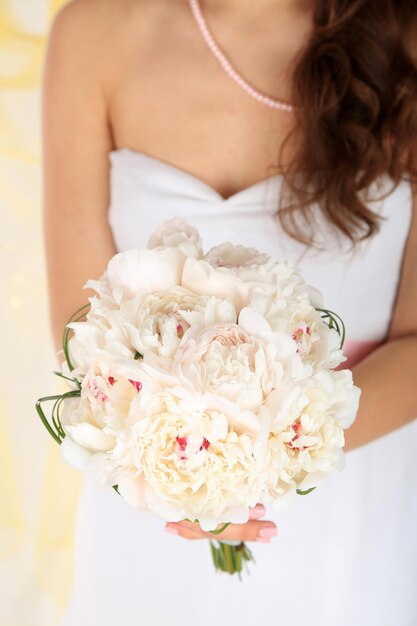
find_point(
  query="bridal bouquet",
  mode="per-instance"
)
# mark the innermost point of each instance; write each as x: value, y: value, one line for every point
x: 203, y: 384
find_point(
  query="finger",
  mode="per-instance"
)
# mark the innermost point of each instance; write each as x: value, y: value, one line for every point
x: 187, y: 530
x: 193, y: 528
x: 253, y: 530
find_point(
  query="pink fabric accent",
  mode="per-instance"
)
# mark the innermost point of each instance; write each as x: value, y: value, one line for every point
x: 358, y: 350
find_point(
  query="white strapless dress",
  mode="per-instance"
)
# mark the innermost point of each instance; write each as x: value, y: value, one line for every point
x: 346, y: 555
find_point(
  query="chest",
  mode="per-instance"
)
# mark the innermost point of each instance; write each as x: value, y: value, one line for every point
x: 173, y: 101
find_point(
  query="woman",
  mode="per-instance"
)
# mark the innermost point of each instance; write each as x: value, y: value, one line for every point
x: 141, y: 122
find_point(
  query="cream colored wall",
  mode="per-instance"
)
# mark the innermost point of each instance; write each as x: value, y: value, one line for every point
x: 38, y: 494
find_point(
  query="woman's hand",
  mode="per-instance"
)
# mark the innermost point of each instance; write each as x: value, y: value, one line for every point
x: 254, y: 530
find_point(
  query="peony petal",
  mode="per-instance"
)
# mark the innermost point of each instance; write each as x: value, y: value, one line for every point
x: 75, y: 455
x: 254, y: 323
x: 133, y: 490
x: 90, y: 437
x: 316, y: 297
x: 244, y: 421
x: 177, y: 233
x: 200, y: 277
x: 133, y: 270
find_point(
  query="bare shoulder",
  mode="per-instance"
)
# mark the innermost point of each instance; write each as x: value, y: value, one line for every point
x: 95, y: 18
x: 82, y: 14
x: 101, y: 35
x: 86, y: 26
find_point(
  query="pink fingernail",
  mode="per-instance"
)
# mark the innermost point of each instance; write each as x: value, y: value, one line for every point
x: 263, y: 540
x: 171, y: 529
x: 268, y: 532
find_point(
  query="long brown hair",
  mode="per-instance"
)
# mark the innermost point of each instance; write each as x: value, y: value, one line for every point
x: 355, y: 97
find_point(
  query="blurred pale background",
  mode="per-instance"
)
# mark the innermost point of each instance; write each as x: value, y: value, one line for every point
x: 38, y: 493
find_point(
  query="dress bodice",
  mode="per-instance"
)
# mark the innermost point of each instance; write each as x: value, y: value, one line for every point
x: 360, y: 286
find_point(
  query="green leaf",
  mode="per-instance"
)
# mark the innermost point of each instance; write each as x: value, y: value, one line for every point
x: 304, y: 493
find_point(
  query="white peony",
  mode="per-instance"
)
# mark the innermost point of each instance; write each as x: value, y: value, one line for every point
x: 235, y: 362
x: 177, y: 233
x: 303, y: 435
x: 101, y: 335
x: 235, y: 272
x: 156, y: 268
x: 157, y: 322
x: 232, y: 257
x: 95, y: 419
x: 194, y: 458
x: 317, y: 344
x: 149, y: 322
x: 244, y: 275
x: 144, y: 270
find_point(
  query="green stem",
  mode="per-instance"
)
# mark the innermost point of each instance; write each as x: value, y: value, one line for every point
x: 58, y: 435
x: 82, y: 310
x: 220, y: 530
x: 306, y: 492
x: 336, y: 321
x: 55, y: 418
x: 72, y: 380
x: 43, y: 417
x: 230, y: 558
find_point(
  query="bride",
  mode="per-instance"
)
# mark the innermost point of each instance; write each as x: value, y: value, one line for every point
x: 289, y: 126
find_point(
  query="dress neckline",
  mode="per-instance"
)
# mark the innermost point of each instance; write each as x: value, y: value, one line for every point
x: 138, y: 155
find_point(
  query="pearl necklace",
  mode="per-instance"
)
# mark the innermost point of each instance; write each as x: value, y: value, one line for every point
x: 227, y: 66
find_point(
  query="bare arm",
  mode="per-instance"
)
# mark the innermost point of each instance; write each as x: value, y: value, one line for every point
x: 388, y: 376
x: 75, y: 142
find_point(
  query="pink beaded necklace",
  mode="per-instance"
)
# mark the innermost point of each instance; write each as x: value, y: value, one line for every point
x: 228, y: 67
